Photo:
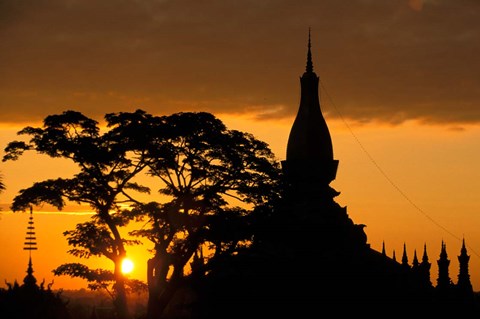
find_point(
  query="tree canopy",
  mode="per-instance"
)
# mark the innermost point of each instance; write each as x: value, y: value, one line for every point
x: 104, y: 182
x: 212, y: 184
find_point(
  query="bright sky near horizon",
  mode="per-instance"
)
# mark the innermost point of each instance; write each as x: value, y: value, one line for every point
x: 400, y: 92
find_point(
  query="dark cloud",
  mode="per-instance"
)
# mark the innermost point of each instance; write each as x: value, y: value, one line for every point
x: 378, y: 60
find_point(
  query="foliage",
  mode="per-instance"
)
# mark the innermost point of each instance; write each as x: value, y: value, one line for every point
x: 96, y: 278
x: 215, y: 179
x: 214, y: 185
x: 2, y: 185
x: 93, y: 238
x: 106, y: 166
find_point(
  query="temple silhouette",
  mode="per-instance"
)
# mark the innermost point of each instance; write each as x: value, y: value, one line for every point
x: 311, y: 258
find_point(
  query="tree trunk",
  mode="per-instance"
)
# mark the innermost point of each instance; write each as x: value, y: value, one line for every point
x: 160, y: 292
x: 153, y: 289
x: 120, y: 301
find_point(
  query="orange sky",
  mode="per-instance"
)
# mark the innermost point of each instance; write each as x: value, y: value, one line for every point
x: 400, y: 91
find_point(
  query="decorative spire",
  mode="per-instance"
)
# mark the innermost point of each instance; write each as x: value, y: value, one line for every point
x: 443, y: 280
x: 415, y: 262
x: 404, y: 256
x: 309, y: 68
x: 383, y: 248
x: 425, y: 256
x: 30, y: 239
x: 443, y: 251
x: 463, y: 250
x: 464, y: 283
x: 309, y: 159
x: 30, y: 244
x: 424, y: 269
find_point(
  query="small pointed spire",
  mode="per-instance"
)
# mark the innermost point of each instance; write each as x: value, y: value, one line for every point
x: 309, y: 68
x: 415, y: 262
x: 443, y: 251
x: 464, y: 283
x: 463, y: 252
x: 443, y: 280
x: 404, y: 256
x: 394, y: 257
x: 425, y: 256
x: 464, y: 248
x: 383, y: 248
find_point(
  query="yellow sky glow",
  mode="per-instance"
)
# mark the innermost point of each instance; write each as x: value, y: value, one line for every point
x: 399, y: 88
x: 409, y: 184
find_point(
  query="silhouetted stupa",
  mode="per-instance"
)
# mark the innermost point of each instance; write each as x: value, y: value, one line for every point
x: 311, y: 258
x: 309, y: 159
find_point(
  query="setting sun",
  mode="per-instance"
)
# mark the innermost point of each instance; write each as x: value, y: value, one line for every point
x: 127, y: 266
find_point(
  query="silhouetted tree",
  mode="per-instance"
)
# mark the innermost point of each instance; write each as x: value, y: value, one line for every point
x: 214, y: 180
x: 106, y: 168
x: 2, y: 186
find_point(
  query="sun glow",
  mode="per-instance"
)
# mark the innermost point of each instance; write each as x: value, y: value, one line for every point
x: 127, y: 266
